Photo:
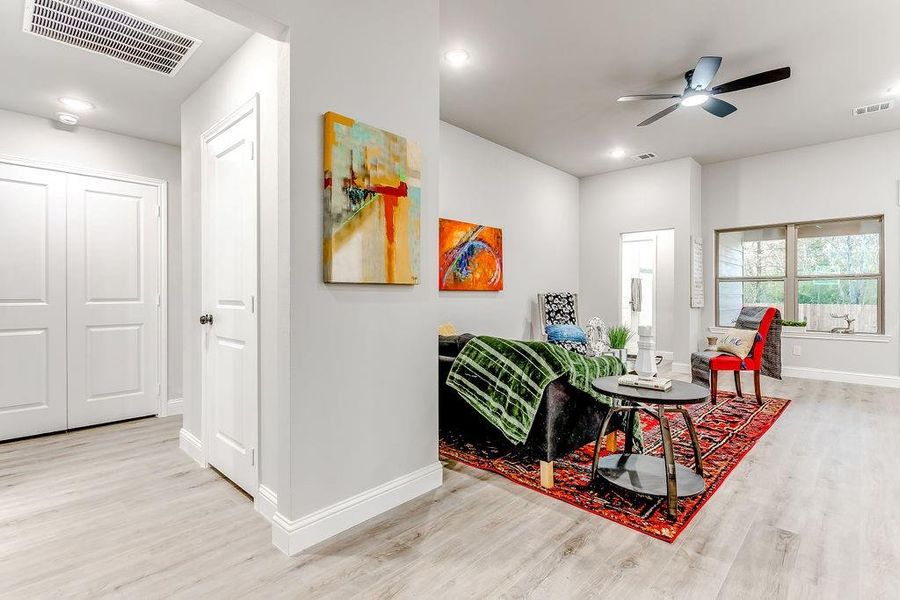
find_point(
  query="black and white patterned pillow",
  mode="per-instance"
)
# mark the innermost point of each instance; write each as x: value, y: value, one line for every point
x: 559, y: 309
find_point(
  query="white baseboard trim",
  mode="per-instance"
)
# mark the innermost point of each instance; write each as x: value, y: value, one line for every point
x: 190, y: 445
x: 266, y: 502
x: 666, y: 355
x: 292, y: 537
x: 175, y: 406
x: 889, y: 381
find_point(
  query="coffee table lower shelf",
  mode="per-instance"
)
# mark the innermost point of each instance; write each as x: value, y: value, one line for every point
x: 647, y: 475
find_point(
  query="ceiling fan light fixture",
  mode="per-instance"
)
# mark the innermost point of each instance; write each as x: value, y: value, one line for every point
x: 694, y: 99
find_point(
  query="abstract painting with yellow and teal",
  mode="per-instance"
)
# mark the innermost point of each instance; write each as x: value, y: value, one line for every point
x: 372, y: 204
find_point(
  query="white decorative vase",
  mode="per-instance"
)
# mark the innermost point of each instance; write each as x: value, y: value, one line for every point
x: 622, y: 355
x: 645, y: 365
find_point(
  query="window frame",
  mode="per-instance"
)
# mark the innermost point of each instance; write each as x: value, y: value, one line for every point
x: 791, y: 279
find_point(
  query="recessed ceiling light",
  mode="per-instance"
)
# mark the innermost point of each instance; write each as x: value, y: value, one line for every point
x: 894, y: 90
x: 694, y: 99
x: 67, y: 118
x: 456, y: 58
x: 76, y: 104
x: 617, y: 152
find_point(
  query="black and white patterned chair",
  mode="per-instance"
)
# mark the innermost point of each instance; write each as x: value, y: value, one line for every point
x: 560, y: 308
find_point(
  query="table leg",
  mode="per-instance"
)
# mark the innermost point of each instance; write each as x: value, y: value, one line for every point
x: 669, y: 455
x: 698, y: 461
x: 629, y: 429
x: 600, y: 435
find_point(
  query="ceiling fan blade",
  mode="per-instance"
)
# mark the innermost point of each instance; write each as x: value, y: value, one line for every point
x: 717, y: 107
x: 752, y: 81
x: 703, y: 74
x: 648, y: 97
x: 659, y: 115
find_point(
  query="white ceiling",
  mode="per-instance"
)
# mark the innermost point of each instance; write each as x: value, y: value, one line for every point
x: 35, y: 72
x: 544, y: 75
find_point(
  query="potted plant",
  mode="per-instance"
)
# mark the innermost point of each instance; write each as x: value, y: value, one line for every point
x: 793, y: 326
x: 617, y: 337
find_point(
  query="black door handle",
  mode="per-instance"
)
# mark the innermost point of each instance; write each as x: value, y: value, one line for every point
x: 206, y: 319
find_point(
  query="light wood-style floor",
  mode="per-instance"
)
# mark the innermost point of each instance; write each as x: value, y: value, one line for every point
x: 119, y: 511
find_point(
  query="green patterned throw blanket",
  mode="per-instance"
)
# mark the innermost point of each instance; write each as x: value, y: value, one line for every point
x: 504, y: 380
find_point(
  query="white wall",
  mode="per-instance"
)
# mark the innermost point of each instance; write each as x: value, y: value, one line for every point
x: 255, y: 68
x: 26, y: 136
x: 360, y: 415
x: 659, y: 196
x: 665, y: 296
x: 537, y: 208
x: 363, y: 357
x: 848, y: 178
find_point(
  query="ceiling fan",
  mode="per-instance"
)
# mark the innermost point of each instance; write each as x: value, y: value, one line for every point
x: 698, y: 93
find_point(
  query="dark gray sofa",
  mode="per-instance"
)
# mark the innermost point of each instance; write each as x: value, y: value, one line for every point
x: 567, y: 418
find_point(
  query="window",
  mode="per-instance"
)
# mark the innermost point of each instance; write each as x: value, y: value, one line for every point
x: 822, y: 272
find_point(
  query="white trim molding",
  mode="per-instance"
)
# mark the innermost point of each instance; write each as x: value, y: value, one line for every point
x: 888, y: 381
x: 266, y: 502
x: 190, y: 445
x: 175, y: 406
x: 292, y: 537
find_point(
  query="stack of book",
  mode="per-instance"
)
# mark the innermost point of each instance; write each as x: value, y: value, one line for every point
x: 650, y: 383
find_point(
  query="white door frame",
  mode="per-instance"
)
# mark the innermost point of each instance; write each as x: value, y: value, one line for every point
x: 251, y: 105
x: 163, y: 283
x: 622, y: 243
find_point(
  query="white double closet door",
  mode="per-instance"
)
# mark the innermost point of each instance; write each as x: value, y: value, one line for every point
x: 79, y: 300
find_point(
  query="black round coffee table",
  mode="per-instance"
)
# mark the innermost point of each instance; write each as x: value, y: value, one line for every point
x: 643, y: 474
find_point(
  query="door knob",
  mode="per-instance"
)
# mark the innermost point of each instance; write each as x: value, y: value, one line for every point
x: 206, y: 319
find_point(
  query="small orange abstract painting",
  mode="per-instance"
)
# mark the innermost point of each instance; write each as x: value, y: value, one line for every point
x: 471, y: 257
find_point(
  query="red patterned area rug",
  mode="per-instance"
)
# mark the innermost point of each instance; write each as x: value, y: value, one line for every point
x: 727, y: 432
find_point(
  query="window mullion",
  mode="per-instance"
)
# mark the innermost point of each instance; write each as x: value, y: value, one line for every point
x: 791, y: 306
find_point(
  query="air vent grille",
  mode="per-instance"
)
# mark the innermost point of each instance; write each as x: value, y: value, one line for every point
x: 100, y: 28
x: 644, y: 156
x: 873, y: 108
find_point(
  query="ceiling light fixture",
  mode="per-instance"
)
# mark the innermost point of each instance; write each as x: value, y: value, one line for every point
x: 76, y: 104
x: 694, y: 99
x: 67, y: 118
x: 456, y: 58
x: 617, y: 152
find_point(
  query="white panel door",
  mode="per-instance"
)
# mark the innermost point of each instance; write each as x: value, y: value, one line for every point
x: 113, y: 300
x: 229, y: 296
x: 32, y: 301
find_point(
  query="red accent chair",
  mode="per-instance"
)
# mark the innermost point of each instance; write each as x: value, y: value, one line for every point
x: 751, y: 363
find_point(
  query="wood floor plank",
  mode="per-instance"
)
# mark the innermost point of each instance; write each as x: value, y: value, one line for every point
x: 120, y: 512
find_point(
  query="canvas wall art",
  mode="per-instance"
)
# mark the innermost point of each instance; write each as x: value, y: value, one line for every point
x: 372, y: 204
x: 471, y: 256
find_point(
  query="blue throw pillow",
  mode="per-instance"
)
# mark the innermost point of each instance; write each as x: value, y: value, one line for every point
x: 566, y: 333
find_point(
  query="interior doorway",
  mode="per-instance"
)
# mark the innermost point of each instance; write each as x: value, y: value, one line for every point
x: 82, y: 278
x: 229, y: 199
x: 649, y: 256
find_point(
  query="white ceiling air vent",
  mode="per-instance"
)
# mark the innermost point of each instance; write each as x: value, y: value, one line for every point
x: 873, y: 108
x: 643, y: 156
x: 100, y: 28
